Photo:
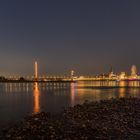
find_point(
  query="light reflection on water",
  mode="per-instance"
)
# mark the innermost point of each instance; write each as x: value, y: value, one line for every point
x: 108, y: 83
x: 19, y: 99
x: 36, y: 98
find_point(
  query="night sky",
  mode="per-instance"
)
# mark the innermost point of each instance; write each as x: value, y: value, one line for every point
x: 87, y: 36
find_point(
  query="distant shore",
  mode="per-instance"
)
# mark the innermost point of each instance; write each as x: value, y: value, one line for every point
x: 108, y: 119
x: 31, y: 81
x: 71, y: 81
x: 61, y: 80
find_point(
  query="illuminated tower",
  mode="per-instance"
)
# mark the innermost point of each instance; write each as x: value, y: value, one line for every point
x: 133, y: 71
x: 36, y: 71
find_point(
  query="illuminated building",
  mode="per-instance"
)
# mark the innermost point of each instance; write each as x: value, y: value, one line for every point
x: 72, y: 74
x: 133, y: 72
x: 111, y: 73
x: 122, y: 76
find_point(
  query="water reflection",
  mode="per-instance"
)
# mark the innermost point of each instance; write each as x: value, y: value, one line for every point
x: 16, y: 87
x: 122, y: 92
x: 122, y: 84
x: 134, y: 84
x: 52, y: 97
x: 108, y: 84
x: 72, y: 94
x: 36, y: 98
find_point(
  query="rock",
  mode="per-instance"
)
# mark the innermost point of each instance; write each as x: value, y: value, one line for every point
x: 108, y: 119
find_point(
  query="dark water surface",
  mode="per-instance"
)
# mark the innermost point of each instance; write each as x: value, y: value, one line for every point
x: 20, y: 99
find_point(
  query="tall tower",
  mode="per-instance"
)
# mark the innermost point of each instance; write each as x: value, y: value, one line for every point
x: 36, y: 71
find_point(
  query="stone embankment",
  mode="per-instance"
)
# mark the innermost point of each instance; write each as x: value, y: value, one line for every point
x: 114, y: 119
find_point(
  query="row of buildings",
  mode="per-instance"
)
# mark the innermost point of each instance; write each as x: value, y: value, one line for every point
x: 123, y: 75
x: 108, y: 76
x: 113, y: 76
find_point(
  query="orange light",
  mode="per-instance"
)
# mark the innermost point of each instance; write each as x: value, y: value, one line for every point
x: 36, y: 98
x: 72, y: 94
x: 36, y: 70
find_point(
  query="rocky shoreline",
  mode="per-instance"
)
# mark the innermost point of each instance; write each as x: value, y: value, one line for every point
x: 114, y: 119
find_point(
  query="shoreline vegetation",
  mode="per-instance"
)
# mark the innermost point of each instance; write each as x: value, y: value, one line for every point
x: 105, y: 120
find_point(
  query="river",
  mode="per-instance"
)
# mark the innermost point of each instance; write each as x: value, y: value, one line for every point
x: 20, y: 99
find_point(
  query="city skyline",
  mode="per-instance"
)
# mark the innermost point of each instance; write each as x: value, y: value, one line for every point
x: 87, y: 37
x: 111, y: 73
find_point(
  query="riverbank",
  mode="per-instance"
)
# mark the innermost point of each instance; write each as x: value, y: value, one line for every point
x: 109, y: 119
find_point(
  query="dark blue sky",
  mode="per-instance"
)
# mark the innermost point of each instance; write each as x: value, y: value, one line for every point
x: 88, y: 36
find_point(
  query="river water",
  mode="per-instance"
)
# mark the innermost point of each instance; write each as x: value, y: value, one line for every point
x: 20, y: 99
